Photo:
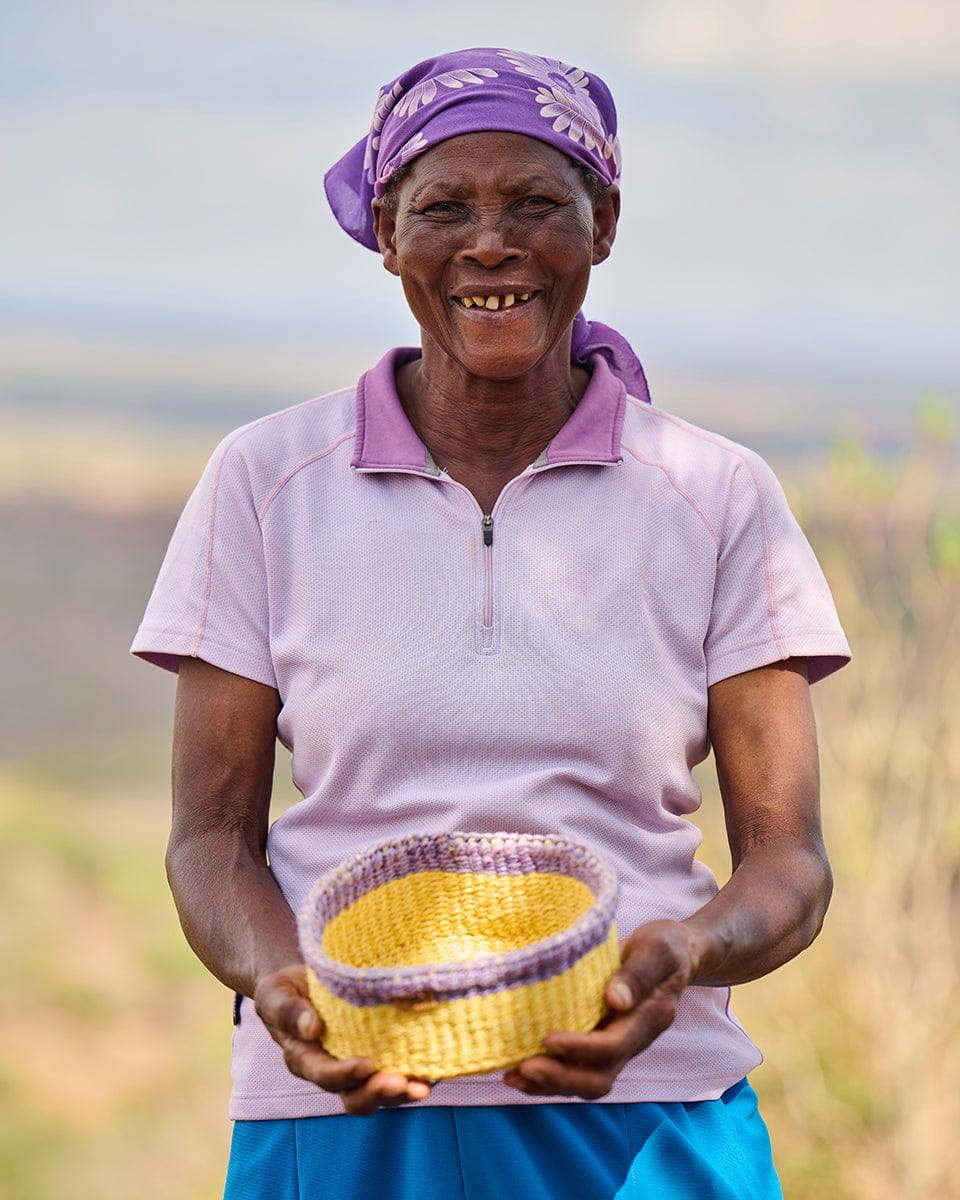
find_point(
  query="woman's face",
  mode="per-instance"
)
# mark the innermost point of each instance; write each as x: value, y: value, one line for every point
x: 493, y: 237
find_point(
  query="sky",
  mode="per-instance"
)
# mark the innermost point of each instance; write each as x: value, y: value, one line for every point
x: 790, y: 187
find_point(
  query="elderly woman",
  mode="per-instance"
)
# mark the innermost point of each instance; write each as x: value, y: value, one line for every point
x: 492, y: 587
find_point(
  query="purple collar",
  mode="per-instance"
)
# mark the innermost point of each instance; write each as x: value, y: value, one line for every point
x: 386, y: 441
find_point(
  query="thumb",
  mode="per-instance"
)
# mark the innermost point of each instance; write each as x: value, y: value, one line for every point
x: 655, y: 957
x: 309, y: 1025
x: 620, y: 993
x: 282, y: 1000
x: 627, y: 986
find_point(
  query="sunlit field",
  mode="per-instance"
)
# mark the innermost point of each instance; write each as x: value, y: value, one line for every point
x: 114, y: 1060
x: 861, y: 1084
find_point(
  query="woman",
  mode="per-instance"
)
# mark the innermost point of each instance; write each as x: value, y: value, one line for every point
x: 491, y: 588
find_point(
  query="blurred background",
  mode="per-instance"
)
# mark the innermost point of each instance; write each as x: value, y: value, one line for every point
x: 787, y: 269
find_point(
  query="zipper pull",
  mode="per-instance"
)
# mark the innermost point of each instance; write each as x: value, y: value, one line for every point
x: 487, y: 526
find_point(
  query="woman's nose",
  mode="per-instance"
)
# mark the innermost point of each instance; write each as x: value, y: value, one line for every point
x: 491, y: 243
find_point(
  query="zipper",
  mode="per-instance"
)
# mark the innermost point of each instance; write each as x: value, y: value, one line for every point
x: 488, y: 640
x: 487, y: 631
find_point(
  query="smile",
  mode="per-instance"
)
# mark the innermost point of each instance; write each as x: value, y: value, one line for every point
x: 494, y: 302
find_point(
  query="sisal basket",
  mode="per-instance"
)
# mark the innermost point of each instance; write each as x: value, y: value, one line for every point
x: 455, y: 954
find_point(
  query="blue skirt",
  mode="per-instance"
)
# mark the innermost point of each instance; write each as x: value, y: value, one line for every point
x: 707, y: 1150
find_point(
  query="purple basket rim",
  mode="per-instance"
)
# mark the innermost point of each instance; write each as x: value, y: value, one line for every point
x: 344, y: 884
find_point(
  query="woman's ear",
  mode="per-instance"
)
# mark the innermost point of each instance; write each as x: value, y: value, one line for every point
x: 606, y: 211
x: 385, y: 229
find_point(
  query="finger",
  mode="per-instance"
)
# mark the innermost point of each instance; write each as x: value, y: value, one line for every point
x: 636, y: 985
x: 658, y: 955
x: 311, y: 1062
x: 384, y: 1089
x: 548, y: 1077
x: 280, y: 1002
x: 620, y: 993
x: 618, y: 1039
x: 529, y: 1086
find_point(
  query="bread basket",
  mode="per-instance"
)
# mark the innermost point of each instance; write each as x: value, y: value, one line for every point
x: 455, y: 954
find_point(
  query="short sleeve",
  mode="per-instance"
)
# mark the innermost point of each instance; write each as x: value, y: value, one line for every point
x: 771, y: 600
x: 210, y: 600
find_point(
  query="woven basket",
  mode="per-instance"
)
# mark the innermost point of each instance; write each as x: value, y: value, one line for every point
x: 456, y: 954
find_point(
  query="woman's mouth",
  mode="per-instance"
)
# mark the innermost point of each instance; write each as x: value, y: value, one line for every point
x: 493, y: 303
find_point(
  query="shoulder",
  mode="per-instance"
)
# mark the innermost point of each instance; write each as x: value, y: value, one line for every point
x: 269, y: 450
x: 706, y: 464
x: 666, y: 435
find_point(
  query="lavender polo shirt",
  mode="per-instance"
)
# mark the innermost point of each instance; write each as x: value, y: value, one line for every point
x: 550, y: 678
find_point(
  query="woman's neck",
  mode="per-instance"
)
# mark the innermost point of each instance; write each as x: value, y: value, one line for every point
x: 481, y: 431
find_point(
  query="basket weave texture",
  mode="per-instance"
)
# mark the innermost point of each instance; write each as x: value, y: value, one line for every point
x: 455, y: 954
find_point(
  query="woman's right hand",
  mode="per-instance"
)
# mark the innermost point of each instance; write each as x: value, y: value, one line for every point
x: 283, y: 1004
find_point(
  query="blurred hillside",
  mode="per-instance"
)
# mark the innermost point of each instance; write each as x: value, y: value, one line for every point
x: 195, y: 384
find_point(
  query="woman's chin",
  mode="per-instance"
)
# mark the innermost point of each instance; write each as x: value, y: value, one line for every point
x: 498, y: 357
x: 502, y: 369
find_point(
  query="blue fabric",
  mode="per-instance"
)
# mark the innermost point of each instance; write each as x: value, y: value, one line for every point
x: 710, y: 1150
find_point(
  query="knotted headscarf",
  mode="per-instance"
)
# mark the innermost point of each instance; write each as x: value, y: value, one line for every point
x: 480, y: 91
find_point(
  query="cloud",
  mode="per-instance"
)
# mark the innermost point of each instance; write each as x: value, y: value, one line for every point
x: 864, y: 37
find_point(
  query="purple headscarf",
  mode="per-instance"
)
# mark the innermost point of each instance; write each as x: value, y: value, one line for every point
x: 478, y: 91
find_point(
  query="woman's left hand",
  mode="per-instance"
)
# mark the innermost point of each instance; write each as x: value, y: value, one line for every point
x: 658, y: 961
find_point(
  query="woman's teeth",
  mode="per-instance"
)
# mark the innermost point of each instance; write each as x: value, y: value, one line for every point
x: 493, y: 302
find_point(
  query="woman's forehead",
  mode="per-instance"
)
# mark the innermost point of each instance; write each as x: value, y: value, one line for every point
x: 515, y: 160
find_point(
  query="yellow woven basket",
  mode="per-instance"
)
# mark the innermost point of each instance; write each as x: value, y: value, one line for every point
x: 455, y: 954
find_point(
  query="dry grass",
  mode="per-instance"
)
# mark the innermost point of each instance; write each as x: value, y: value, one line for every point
x: 111, y: 1067
x: 861, y: 1085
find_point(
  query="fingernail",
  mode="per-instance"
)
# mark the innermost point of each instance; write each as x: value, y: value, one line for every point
x: 307, y: 1025
x: 620, y: 993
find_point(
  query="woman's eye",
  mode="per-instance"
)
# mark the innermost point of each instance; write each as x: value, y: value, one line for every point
x: 537, y: 201
x: 442, y: 208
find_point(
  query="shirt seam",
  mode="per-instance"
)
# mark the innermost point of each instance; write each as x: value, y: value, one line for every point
x: 741, y: 647
x: 214, y: 496
x: 679, y: 489
x: 229, y: 647
x: 295, y: 470
x: 743, y: 456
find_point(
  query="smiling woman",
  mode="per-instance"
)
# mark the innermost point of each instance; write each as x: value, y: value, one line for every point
x: 493, y: 588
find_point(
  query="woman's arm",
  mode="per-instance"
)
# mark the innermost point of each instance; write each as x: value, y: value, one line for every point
x: 764, y: 741
x: 231, y: 910
x: 765, y: 746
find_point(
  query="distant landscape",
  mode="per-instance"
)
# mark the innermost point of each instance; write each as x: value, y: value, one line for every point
x: 189, y: 385
x: 116, y: 1030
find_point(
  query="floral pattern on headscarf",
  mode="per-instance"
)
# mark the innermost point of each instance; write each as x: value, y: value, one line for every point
x: 549, y: 71
x: 571, y: 112
x: 426, y: 92
x: 564, y: 99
